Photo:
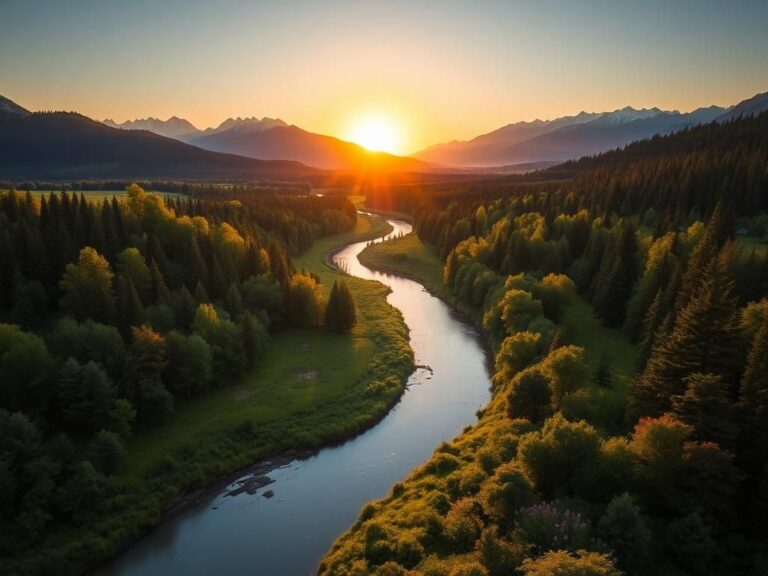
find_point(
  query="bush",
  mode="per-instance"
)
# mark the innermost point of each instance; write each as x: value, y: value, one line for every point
x: 499, y: 556
x: 106, y: 451
x: 505, y: 493
x: 545, y: 526
x: 462, y: 525
x: 625, y: 530
x: 529, y: 395
x: 561, y: 563
x: 390, y: 569
x: 409, y: 550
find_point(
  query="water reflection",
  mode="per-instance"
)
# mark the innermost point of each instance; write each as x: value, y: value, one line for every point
x: 312, y: 500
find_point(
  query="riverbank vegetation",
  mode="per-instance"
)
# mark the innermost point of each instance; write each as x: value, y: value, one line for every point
x: 150, y: 346
x: 637, y: 446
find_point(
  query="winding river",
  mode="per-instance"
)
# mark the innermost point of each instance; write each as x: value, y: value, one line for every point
x: 285, y: 527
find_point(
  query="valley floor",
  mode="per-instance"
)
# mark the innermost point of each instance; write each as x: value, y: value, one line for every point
x: 309, y: 390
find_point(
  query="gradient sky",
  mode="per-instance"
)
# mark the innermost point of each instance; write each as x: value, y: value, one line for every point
x: 442, y: 69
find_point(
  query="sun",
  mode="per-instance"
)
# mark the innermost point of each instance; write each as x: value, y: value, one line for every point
x: 376, y: 133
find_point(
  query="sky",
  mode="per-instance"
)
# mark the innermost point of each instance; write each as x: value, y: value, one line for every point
x: 433, y: 71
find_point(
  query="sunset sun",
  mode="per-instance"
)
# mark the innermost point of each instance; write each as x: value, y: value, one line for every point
x: 376, y: 133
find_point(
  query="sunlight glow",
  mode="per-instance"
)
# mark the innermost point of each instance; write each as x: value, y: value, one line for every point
x: 376, y: 133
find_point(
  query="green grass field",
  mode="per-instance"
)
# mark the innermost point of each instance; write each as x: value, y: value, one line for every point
x: 409, y: 257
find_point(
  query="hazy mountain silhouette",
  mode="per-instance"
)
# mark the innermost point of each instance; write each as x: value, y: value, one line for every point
x: 273, y: 139
x: 59, y: 145
x: 564, y: 138
x: 10, y: 107
x: 174, y: 127
x: 293, y: 143
x: 749, y: 107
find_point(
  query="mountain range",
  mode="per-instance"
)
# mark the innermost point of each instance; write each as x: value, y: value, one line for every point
x: 521, y: 146
x: 65, y: 145
x: 564, y: 138
x: 59, y: 145
x: 274, y: 139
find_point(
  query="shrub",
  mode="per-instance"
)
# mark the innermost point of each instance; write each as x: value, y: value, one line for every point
x: 545, y: 526
x: 462, y: 525
x: 529, y: 395
x: 409, y: 550
x: 625, y: 530
x: 505, y: 493
x: 561, y: 563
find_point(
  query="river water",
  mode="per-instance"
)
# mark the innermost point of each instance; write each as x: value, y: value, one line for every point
x: 314, y: 500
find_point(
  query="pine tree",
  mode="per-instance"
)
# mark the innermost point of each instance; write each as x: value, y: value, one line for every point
x: 340, y: 313
x: 160, y: 293
x: 617, y: 275
x: 278, y: 265
x: 704, y: 339
x: 218, y: 280
x: 602, y: 376
x: 753, y: 397
x: 705, y: 406
x: 130, y: 312
x: 703, y: 253
x: 201, y: 295
x: 234, y: 302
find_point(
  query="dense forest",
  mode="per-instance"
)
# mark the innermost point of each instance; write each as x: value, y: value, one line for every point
x: 570, y: 469
x: 113, y: 313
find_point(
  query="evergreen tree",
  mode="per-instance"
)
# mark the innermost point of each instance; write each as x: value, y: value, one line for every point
x: 254, y: 337
x: 160, y: 293
x: 218, y: 281
x: 753, y: 399
x: 201, y: 294
x: 234, y: 302
x: 340, y: 313
x: 148, y: 359
x: 705, y: 251
x: 86, y: 395
x: 617, y: 275
x: 602, y: 376
x: 130, y: 312
x: 705, y: 406
x: 704, y: 339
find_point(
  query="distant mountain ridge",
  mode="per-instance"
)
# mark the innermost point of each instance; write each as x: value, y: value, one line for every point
x: 10, y: 107
x: 564, y: 138
x: 66, y: 145
x: 174, y: 127
x: 318, y: 150
x: 273, y: 139
x: 751, y: 106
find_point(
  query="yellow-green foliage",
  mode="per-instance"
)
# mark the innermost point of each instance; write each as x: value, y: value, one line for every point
x: 457, y: 514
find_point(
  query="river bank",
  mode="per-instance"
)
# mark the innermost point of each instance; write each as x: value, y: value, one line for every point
x: 308, y: 392
x: 314, y: 499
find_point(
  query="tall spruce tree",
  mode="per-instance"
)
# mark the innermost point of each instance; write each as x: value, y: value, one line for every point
x: 705, y: 338
x: 340, y: 313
